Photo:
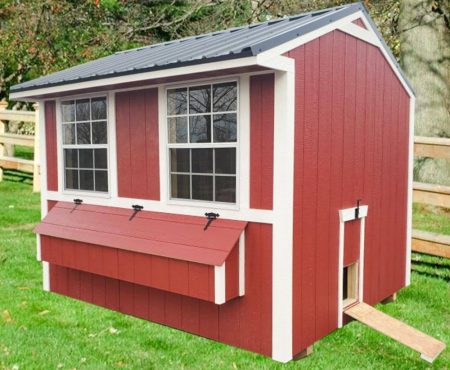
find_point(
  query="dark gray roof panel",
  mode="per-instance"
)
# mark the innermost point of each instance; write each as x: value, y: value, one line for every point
x: 233, y: 43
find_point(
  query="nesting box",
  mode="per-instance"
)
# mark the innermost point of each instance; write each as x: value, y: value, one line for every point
x: 247, y: 185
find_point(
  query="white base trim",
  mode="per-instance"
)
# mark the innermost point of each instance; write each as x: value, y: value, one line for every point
x: 345, y: 215
x: 219, y: 284
x: 250, y: 215
x: 46, y: 276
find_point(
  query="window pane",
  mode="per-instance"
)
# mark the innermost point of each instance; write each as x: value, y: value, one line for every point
x: 176, y: 101
x: 71, y: 158
x: 69, y: 133
x: 98, y: 106
x: 200, y: 99
x: 68, y: 111
x: 202, y: 160
x: 86, y: 180
x: 225, y: 160
x: 202, y: 187
x: 101, y: 181
x: 99, y: 133
x: 86, y: 158
x: 178, y: 131
x: 179, y: 160
x: 101, y: 160
x: 225, y: 128
x: 225, y: 97
x: 226, y: 189
x: 83, y: 133
x: 71, y: 179
x: 180, y: 186
x: 200, y: 129
x: 83, y: 113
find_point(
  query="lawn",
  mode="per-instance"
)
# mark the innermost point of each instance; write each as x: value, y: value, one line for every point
x: 40, y: 330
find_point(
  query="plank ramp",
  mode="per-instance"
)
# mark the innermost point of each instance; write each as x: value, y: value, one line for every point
x: 427, y: 346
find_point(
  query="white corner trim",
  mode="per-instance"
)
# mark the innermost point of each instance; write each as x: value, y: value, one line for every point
x: 412, y: 106
x: 282, y: 233
x: 46, y: 276
x: 242, y: 264
x: 170, y: 72
x: 345, y: 215
x: 219, y: 284
x: 360, y: 33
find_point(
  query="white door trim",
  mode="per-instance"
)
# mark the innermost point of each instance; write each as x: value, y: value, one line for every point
x: 345, y: 215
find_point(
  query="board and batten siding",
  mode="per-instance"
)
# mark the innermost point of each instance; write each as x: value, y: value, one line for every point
x: 261, y: 140
x: 351, y: 141
x: 244, y: 322
x: 51, y: 145
x: 137, y: 144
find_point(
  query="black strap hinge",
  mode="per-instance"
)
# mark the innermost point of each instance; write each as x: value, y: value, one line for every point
x: 211, y: 216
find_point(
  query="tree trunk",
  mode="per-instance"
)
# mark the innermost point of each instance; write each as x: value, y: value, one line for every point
x: 425, y: 58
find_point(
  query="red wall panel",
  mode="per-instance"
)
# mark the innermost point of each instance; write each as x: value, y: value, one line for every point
x: 360, y: 23
x: 138, y: 144
x: 244, y: 322
x: 351, y: 141
x: 51, y: 146
x: 261, y: 141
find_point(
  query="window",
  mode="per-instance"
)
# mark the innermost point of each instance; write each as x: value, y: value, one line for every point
x: 85, y: 144
x: 202, y: 135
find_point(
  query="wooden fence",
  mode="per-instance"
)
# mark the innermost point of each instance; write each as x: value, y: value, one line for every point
x: 8, y: 140
x: 436, y: 195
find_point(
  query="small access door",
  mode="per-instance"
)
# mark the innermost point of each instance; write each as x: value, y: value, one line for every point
x: 351, y: 257
x: 351, y: 273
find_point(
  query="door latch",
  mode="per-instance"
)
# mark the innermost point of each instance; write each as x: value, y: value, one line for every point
x: 358, y: 201
x: 211, y: 216
x: 137, y: 208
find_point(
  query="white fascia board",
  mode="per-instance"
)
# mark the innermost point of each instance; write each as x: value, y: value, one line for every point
x: 171, y: 72
x: 412, y: 107
x: 276, y: 62
x: 345, y: 25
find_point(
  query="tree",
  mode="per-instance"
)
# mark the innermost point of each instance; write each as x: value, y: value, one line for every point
x: 424, y: 34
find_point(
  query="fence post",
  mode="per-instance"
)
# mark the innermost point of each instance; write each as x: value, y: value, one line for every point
x: 37, y: 155
x: 3, y: 106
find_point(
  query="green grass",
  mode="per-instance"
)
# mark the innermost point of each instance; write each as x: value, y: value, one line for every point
x: 40, y: 330
x: 24, y: 152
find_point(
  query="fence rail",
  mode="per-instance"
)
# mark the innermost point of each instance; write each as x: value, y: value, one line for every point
x: 8, y: 140
x: 436, y: 195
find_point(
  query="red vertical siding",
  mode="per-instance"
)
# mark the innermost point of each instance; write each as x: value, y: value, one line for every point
x: 138, y: 144
x: 261, y: 141
x: 351, y: 140
x: 360, y: 23
x: 51, y: 146
x: 244, y: 322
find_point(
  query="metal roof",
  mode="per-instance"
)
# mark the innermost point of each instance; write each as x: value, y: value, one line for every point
x: 232, y: 43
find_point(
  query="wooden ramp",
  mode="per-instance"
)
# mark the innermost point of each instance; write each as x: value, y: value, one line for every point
x: 428, y: 347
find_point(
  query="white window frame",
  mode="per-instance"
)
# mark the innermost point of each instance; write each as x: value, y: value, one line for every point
x: 211, y: 145
x: 61, y: 146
